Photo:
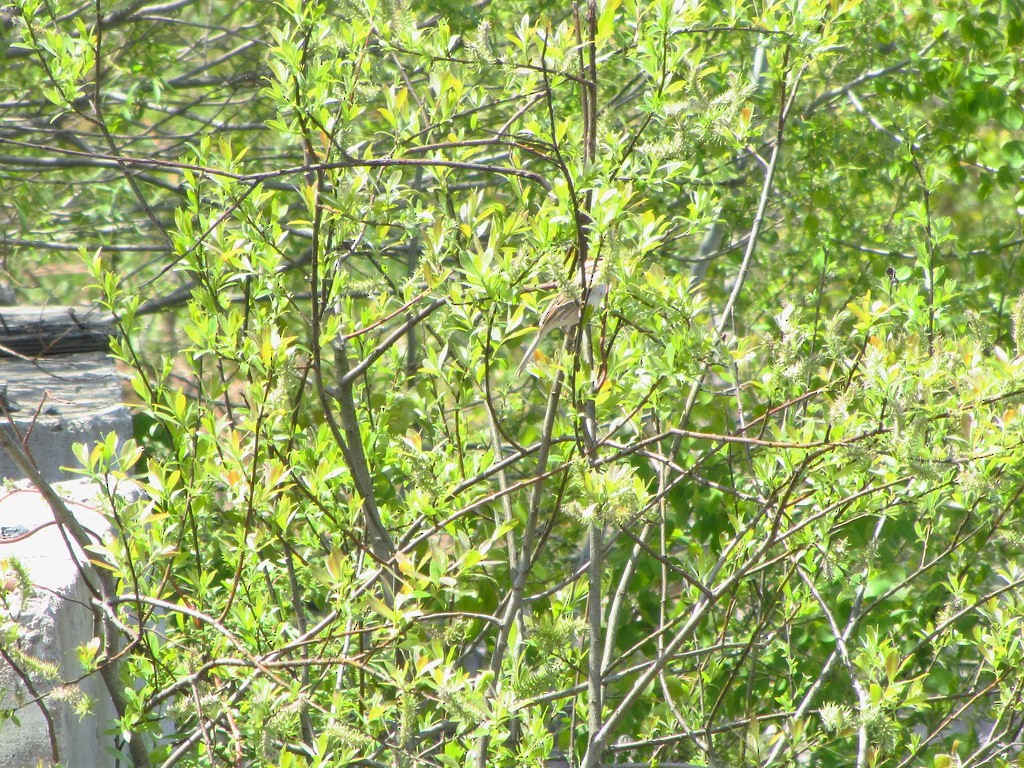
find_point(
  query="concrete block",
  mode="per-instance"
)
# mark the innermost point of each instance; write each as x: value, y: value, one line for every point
x: 54, y: 623
x: 55, y: 402
x: 58, y: 387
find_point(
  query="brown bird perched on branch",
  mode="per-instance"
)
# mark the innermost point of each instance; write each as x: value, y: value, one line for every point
x: 564, y: 312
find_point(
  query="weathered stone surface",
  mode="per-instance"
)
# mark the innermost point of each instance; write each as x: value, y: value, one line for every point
x: 55, y: 622
x: 57, y: 402
x: 69, y: 395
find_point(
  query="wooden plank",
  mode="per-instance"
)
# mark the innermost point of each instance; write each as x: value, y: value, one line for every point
x: 45, y: 331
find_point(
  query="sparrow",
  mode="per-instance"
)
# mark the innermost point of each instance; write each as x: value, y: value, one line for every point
x: 563, y: 312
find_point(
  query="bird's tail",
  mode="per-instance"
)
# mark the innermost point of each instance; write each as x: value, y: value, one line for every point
x: 528, y: 355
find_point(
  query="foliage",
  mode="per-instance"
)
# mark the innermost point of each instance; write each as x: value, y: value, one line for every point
x: 762, y: 508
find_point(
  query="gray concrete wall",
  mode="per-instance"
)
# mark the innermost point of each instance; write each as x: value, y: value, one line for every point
x: 57, y: 402
x: 51, y: 403
x: 54, y: 623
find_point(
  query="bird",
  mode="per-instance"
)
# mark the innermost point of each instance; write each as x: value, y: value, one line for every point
x: 564, y: 312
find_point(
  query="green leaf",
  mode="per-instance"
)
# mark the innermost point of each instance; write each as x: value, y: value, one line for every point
x: 1013, y: 153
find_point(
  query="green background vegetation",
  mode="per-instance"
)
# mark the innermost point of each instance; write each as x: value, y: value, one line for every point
x: 763, y: 509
